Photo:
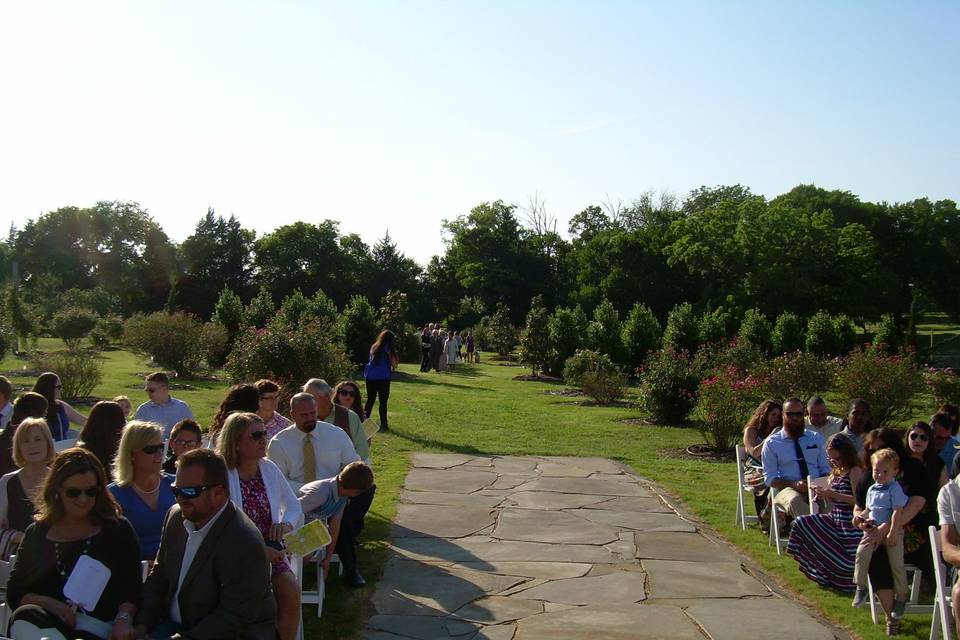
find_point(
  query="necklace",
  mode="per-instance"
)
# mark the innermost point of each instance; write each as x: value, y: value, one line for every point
x: 144, y: 491
x: 61, y: 568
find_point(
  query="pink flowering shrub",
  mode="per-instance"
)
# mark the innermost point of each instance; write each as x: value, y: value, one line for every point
x: 886, y: 382
x: 801, y: 374
x: 944, y: 384
x: 725, y: 401
x: 668, y: 385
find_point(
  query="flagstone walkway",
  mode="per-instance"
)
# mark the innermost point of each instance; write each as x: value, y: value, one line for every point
x: 531, y: 548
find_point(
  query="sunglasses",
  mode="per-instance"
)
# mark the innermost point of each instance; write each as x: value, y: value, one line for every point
x: 151, y: 449
x: 348, y: 392
x: 795, y: 414
x: 258, y: 435
x: 919, y: 436
x: 190, y: 492
x: 180, y: 442
x: 90, y: 492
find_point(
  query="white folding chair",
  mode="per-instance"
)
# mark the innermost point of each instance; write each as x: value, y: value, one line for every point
x: 913, y: 600
x: 943, y: 603
x: 63, y: 445
x: 742, y: 518
x: 314, y: 596
x: 5, y: 568
x: 774, y: 523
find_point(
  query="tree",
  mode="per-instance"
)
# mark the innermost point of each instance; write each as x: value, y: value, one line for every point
x: 72, y: 325
x: 682, y: 332
x: 393, y: 312
x: 503, y: 336
x: 822, y: 335
x: 640, y: 335
x: 217, y: 255
x: 19, y: 317
x: 261, y: 309
x: 535, y: 339
x: 359, y: 327
x: 756, y: 329
x: 229, y: 312
x: 567, y: 330
x: 390, y: 270
x: 787, y: 335
x: 603, y: 332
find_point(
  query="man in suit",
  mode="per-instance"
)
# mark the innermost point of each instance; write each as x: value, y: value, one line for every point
x: 211, y: 578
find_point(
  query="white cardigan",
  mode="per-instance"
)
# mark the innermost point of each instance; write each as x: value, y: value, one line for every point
x: 284, y: 506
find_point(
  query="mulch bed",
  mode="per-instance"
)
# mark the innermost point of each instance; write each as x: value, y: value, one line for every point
x: 702, y: 452
x: 565, y: 393
x: 532, y: 378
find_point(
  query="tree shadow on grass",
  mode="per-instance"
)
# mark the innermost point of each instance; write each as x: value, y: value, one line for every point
x: 413, y: 379
x: 439, y: 444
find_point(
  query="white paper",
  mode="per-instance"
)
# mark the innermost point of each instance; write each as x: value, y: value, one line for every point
x: 86, y: 583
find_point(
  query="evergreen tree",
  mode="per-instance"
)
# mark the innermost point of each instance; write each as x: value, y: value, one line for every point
x: 261, y: 309
x: 229, y: 312
x: 641, y: 334
x: 359, y: 327
x: 535, y: 339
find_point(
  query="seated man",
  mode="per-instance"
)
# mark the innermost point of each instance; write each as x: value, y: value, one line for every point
x: 945, y: 442
x: 789, y: 456
x: 820, y: 421
x: 948, y: 504
x: 211, y: 578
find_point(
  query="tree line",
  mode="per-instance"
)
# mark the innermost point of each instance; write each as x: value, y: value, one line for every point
x: 722, y: 249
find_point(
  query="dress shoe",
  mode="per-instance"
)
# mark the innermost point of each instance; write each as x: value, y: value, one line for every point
x: 354, y: 579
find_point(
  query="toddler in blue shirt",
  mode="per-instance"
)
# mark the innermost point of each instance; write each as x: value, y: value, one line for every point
x: 884, y: 504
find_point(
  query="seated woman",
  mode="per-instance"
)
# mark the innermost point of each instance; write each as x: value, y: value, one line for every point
x: 766, y: 419
x: 919, y: 441
x: 140, y: 487
x: 347, y: 394
x: 27, y: 405
x: 825, y: 544
x: 101, y: 435
x: 59, y: 413
x: 259, y: 488
x: 78, y: 517
x: 184, y: 436
x: 32, y: 451
x: 240, y: 397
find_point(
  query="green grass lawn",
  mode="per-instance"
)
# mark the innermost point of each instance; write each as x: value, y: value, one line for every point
x: 481, y: 409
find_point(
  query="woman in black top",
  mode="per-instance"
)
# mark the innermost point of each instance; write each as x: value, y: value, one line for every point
x: 77, y: 517
x: 101, y: 435
x: 921, y: 491
x: 33, y: 450
x: 27, y: 405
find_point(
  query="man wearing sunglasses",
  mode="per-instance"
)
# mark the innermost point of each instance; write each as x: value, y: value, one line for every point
x: 211, y: 578
x: 162, y: 408
x: 789, y: 456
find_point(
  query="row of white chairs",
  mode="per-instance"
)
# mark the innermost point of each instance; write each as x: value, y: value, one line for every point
x: 941, y: 608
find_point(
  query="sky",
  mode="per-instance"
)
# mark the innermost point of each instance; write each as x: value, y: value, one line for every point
x: 393, y: 116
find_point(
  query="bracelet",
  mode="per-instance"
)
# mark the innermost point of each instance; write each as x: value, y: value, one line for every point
x: 123, y: 616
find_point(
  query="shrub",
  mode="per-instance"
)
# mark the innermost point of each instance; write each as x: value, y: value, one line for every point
x: 715, y: 325
x: 408, y: 344
x: 944, y: 385
x: 682, y: 332
x: 603, y: 332
x: 886, y: 382
x: 502, y: 335
x: 6, y: 338
x: 888, y: 333
x: 640, y: 335
x: 229, y: 312
x: 725, y: 400
x: 173, y: 340
x: 822, y: 335
x: 261, y: 309
x: 846, y: 334
x: 535, y: 339
x: 358, y: 324
x: 566, y: 328
x: 109, y: 330
x: 393, y: 312
x: 756, y: 329
x: 787, y: 335
x: 289, y: 354
x: 297, y: 307
x: 801, y: 373
x: 742, y: 354
x: 79, y: 372
x: 215, y: 344
x: 668, y: 386
x: 72, y: 325
x: 595, y: 374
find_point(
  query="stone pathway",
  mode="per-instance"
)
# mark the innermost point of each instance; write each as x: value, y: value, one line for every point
x: 531, y: 548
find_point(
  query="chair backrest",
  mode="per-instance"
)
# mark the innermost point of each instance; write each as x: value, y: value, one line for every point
x: 741, y: 456
x: 942, y: 595
x: 63, y: 445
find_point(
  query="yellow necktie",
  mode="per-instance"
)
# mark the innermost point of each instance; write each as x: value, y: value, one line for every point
x: 309, y: 460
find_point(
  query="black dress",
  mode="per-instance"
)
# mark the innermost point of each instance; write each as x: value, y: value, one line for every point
x: 20, y: 509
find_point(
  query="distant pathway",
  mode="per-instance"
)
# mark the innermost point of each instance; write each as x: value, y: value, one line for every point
x: 532, y: 548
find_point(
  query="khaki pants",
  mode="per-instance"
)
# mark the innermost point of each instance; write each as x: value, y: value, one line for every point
x: 792, y: 502
x: 894, y: 555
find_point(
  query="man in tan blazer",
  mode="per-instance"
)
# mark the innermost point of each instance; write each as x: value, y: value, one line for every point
x: 211, y: 579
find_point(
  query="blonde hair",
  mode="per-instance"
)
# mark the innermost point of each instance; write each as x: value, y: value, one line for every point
x: 885, y: 455
x: 233, y: 429
x: 136, y: 435
x: 23, y: 432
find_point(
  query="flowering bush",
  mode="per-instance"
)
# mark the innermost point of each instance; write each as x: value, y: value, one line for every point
x: 724, y: 403
x: 173, y: 340
x: 595, y: 374
x: 742, y: 354
x: 886, y: 382
x: 801, y: 374
x: 944, y: 385
x: 668, y: 385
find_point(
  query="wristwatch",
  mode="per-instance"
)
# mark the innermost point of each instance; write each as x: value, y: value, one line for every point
x: 123, y: 616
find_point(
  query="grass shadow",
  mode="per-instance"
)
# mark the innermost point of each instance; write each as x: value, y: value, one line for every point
x: 415, y: 379
x: 438, y: 444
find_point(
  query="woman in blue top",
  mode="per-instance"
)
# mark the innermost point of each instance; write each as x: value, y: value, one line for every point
x: 141, y: 488
x: 59, y: 413
x: 379, y: 370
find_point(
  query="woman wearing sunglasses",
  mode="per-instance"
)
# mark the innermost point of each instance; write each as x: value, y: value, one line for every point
x: 347, y: 394
x: 78, y: 517
x: 259, y: 488
x: 919, y: 441
x: 140, y: 486
x: 59, y: 413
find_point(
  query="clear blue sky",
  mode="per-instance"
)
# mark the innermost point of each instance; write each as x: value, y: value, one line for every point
x: 398, y: 115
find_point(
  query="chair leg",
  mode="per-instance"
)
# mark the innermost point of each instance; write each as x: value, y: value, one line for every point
x: 915, y: 586
x: 873, y: 601
x: 935, y: 623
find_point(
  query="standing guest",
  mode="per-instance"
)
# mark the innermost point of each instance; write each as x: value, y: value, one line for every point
x: 59, y: 413
x: 459, y: 339
x: 945, y: 442
x: 33, y: 451
x: 212, y: 577
x: 820, y: 420
x: 77, y: 517
x: 6, y: 406
x: 789, y: 456
x: 471, y: 346
x: 954, y: 412
x: 766, y: 419
x: 450, y: 347
x: 27, y: 405
x: 436, y: 350
x: 311, y: 450
x: 425, y: 338
x: 101, y: 435
x: 240, y: 397
x: 347, y: 394
x: 141, y: 488
x: 825, y: 544
x: 327, y: 499
x: 857, y: 423
x: 269, y: 392
x: 162, y: 408
x: 186, y: 436
x: 919, y: 441
x: 377, y: 373
x: 259, y: 489
x: 125, y: 404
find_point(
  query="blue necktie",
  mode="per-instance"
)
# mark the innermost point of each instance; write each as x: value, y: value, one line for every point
x: 804, y: 470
